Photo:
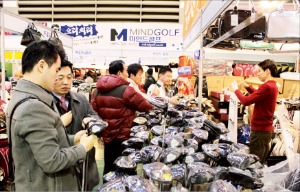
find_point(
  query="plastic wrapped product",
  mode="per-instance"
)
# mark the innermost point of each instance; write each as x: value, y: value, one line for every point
x: 153, y: 121
x: 169, y: 155
x: 115, y: 185
x: 150, y: 153
x: 178, y: 121
x: 175, y: 141
x: 133, y: 142
x: 222, y: 128
x: 240, y: 148
x: 173, y: 130
x: 242, y: 160
x: 143, y: 135
x: 193, y: 165
x: 156, y: 141
x: 136, y: 157
x: 199, y: 175
x: 221, y: 186
x: 221, y: 172
x: 225, y: 139
x: 110, y: 176
x: 245, y: 179
x: 138, y: 128
x: 189, y: 114
x: 159, y: 102
x: 196, y: 157
x: 158, y: 171
x: 157, y: 130
x: 139, y: 184
x: 140, y: 120
x: 179, y: 173
x: 292, y: 180
x: 125, y: 164
x: 128, y: 151
x: 179, y: 189
x: 200, y: 134
x: 171, y: 112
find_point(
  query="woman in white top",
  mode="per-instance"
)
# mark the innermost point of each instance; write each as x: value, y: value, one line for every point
x: 135, y: 74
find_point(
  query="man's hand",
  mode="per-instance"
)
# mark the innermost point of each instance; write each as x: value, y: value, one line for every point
x: 173, y: 100
x: 234, y: 86
x: 87, y: 141
x: 66, y: 118
x: 78, y: 135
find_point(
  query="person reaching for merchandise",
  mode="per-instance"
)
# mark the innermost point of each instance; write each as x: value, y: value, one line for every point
x: 264, y: 99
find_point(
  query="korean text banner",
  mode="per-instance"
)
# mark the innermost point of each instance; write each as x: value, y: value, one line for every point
x: 129, y: 36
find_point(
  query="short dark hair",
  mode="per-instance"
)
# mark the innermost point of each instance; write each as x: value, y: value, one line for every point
x: 269, y: 64
x: 134, y: 69
x: 116, y: 66
x: 150, y: 71
x: 163, y: 70
x: 38, y: 50
x: 66, y: 63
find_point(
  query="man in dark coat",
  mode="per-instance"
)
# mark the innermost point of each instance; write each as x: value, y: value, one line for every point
x: 149, y: 79
x: 116, y: 102
x: 77, y: 108
x: 44, y: 155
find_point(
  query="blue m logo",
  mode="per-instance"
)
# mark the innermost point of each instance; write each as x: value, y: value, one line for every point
x: 114, y: 34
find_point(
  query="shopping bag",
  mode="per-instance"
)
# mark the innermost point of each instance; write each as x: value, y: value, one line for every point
x: 283, y: 26
x: 55, y: 39
x: 30, y: 35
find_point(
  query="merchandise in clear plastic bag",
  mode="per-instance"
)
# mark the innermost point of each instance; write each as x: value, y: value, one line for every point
x: 179, y: 172
x: 171, y: 112
x: 143, y: 135
x: 136, y: 157
x: 200, y: 134
x: 140, y: 120
x: 179, y: 189
x: 169, y: 155
x: 125, y: 164
x: 150, y: 153
x: 242, y: 160
x: 175, y: 141
x: 225, y: 139
x: 157, y: 130
x: 112, y: 175
x: 221, y: 172
x: 139, y: 184
x: 243, y: 178
x: 196, y: 157
x: 128, y: 151
x: 133, y: 142
x: 172, y: 130
x: 158, y: 171
x: 240, y: 148
x: 115, y: 185
x: 138, y: 128
x: 200, y: 175
x: 221, y: 185
x: 156, y: 141
x: 159, y: 102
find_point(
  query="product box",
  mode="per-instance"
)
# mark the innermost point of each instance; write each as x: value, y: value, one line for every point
x: 217, y: 94
x: 214, y: 83
x: 291, y: 88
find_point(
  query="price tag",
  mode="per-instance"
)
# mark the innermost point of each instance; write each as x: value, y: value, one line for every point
x: 253, y: 17
x: 234, y: 20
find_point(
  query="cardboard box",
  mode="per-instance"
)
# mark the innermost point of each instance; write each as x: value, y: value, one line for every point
x: 280, y: 81
x: 291, y: 88
x: 255, y: 82
x: 214, y: 83
x: 229, y: 79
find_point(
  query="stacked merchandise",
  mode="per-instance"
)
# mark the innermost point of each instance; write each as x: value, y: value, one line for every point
x: 181, y: 150
x: 215, y: 67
